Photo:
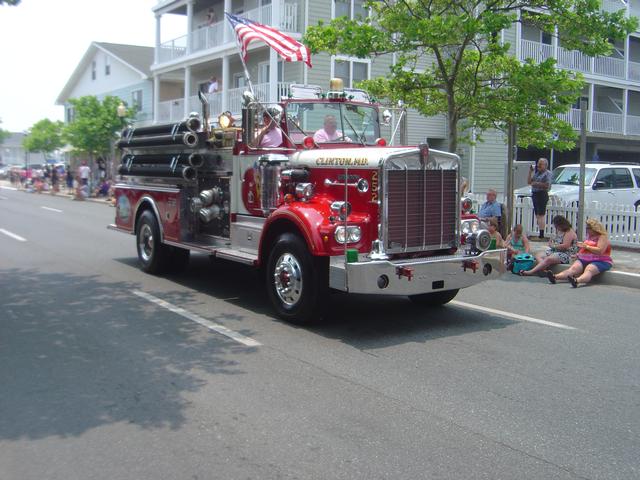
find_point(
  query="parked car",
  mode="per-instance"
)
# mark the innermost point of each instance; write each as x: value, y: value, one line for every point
x: 617, y: 183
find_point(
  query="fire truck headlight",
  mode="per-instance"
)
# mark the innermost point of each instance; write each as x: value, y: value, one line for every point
x: 348, y: 234
x: 470, y: 226
x: 225, y: 120
x: 355, y: 234
x: 304, y: 191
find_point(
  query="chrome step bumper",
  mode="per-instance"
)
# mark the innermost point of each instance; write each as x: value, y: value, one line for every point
x: 416, y: 276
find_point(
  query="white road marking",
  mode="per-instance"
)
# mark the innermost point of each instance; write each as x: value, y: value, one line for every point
x: 3, y: 198
x: 51, y: 209
x: 12, y: 235
x: 238, y: 337
x: 2, y: 187
x: 628, y: 274
x: 516, y: 316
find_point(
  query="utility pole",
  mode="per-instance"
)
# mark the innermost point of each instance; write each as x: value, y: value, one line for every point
x: 583, y: 161
x: 511, y: 156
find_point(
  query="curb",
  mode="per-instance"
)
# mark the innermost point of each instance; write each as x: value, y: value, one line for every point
x: 612, y: 277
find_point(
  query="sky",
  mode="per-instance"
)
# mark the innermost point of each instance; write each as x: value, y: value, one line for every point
x: 43, y: 41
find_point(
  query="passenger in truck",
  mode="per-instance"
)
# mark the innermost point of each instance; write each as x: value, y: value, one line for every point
x: 270, y: 134
x: 329, y: 132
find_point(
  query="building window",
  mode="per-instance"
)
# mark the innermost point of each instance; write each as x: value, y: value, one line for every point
x: 69, y: 114
x: 107, y: 66
x: 238, y: 80
x: 352, y: 9
x: 350, y: 71
x: 136, y: 100
x: 264, y: 70
x: 93, y: 70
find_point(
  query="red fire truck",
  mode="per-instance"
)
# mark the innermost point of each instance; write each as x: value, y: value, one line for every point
x: 336, y: 210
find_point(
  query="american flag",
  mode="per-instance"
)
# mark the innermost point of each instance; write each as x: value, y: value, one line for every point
x: 247, y: 31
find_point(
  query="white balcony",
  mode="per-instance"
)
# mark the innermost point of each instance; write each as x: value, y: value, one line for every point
x: 173, y: 110
x: 577, y: 61
x: 206, y: 38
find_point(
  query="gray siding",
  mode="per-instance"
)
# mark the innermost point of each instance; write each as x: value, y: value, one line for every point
x: 125, y: 94
x: 490, y: 162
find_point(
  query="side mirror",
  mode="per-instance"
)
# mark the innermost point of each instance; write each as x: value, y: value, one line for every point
x: 599, y: 184
x: 386, y: 117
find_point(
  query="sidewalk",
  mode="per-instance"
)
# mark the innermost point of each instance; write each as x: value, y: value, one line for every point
x: 62, y: 193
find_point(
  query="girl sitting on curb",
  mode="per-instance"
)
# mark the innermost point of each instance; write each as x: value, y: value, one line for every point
x: 594, y: 257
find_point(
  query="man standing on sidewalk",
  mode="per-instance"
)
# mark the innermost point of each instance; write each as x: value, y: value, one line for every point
x: 84, y: 172
x: 540, y: 181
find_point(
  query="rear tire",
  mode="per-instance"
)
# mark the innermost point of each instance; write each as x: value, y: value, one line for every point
x: 153, y: 256
x: 297, y: 282
x: 434, y: 299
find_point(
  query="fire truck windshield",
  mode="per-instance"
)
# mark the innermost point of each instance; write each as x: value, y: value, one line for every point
x: 334, y: 122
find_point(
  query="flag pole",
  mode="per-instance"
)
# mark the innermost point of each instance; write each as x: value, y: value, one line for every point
x: 244, y: 65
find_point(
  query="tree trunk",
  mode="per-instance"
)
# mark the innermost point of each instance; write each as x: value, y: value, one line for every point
x: 452, y: 121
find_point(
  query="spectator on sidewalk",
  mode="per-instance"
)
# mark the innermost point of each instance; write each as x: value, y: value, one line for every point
x: 562, y: 246
x: 490, y: 208
x: 55, y: 180
x: 496, y: 239
x: 84, y: 172
x: 69, y: 179
x: 594, y: 257
x: 517, y: 242
x: 540, y: 181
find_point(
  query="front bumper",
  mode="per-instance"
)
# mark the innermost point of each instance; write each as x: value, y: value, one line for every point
x: 415, y: 276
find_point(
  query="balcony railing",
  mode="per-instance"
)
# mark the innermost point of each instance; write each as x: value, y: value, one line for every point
x: 613, y: 6
x: 604, y: 122
x: 173, y: 110
x: 578, y: 61
x: 212, y: 36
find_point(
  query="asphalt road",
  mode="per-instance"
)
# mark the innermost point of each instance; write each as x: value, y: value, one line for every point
x: 99, y: 379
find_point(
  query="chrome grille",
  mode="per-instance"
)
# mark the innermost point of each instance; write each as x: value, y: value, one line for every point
x: 421, y: 210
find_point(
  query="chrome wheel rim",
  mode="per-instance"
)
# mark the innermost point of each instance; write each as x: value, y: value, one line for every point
x: 287, y: 277
x: 145, y: 243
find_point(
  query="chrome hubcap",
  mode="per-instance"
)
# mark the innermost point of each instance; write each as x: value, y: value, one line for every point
x: 287, y: 278
x: 145, y: 245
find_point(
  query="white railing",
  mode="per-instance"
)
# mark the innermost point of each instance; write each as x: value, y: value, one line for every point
x: 205, y: 38
x: 173, y: 110
x: 572, y: 117
x: 536, y: 51
x: 621, y: 221
x: 633, y: 125
x: 607, y: 122
x: 609, y: 66
x: 573, y: 60
x: 173, y: 49
x: 634, y: 71
x: 612, y: 6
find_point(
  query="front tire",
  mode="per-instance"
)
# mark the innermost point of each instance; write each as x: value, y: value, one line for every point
x: 434, y: 299
x: 297, y: 282
x: 153, y: 256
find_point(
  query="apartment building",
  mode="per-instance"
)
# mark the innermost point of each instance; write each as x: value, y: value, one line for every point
x: 183, y: 66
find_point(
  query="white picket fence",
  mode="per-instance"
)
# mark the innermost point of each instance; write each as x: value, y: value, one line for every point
x: 621, y: 221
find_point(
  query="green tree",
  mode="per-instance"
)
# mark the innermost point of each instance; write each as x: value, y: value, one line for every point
x: 44, y: 136
x: 95, y: 125
x: 450, y: 59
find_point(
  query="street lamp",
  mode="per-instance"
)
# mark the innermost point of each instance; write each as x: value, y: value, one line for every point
x: 122, y: 112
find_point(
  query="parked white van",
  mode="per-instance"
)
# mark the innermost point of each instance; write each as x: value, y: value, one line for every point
x: 617, y: 183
